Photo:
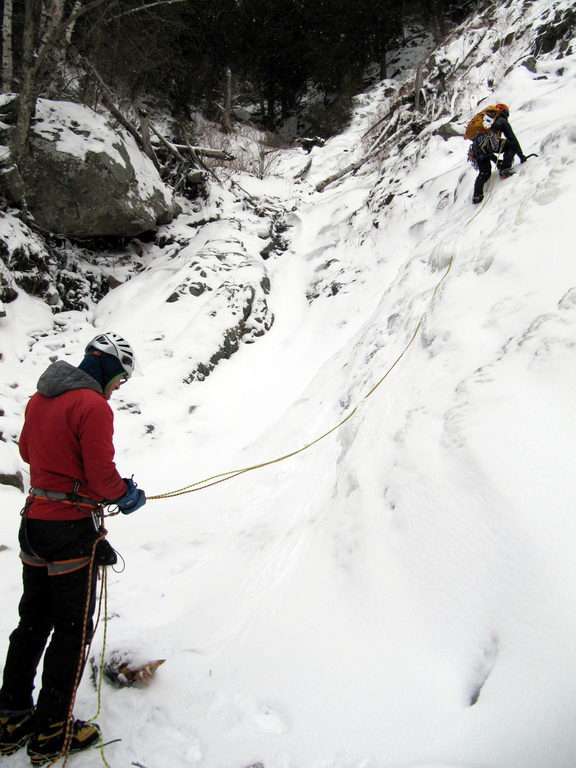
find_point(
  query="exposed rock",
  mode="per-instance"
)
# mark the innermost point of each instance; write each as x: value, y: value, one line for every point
x: 64, y: 275
x: 13, y: 479
x: 230, y: 287
x: 530, y: 64
x: 85, y: 179
x: 242, y: 115
x: 278, y: 243
x: 244, y: 317
x: 448, y: 131
x: 555, y: 33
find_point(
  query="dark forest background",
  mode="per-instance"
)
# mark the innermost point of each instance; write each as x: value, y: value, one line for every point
x: 279, y: 52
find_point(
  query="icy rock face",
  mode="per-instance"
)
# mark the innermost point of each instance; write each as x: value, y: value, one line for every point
x: 63, y: 275
x: 232, y: 289
x: 84, y: 179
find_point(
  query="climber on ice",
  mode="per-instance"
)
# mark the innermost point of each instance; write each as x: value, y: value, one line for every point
x: 492, y: 135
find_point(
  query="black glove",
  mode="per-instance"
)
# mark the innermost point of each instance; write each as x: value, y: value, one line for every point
x: 133, y: 499
x: 523, y: 158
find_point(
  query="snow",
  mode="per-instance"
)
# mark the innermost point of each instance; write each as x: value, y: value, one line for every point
x: 402, y: 593
x: 78, y: 128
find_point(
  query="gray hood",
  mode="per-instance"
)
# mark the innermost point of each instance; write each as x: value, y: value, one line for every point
x: 62, y: 377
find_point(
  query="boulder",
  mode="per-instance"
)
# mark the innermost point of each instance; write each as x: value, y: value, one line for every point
x: 9, y: 472
x: 83, y: 178
x: 14, y: 479
x: 448, y: 131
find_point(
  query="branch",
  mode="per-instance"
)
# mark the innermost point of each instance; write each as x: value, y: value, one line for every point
x: 172, y: 148
x: 221, y: 154
x: 146, y: 6
x: 108, y: 101
x: 392, y: 109
x: 376, y: 147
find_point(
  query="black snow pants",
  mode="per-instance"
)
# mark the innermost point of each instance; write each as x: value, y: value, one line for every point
x: 485, y: 167
x: 50, y: 604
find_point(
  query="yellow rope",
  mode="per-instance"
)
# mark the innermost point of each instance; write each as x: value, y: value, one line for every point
x: 215, y: 479
x: 104, y: 597
x: 224, y: 476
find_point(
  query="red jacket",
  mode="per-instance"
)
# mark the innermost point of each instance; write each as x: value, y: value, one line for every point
x: 68, y: 436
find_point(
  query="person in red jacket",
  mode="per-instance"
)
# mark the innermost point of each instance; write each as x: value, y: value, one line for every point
x: 67, y: 439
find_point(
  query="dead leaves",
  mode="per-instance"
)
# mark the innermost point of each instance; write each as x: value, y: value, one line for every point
x: 123, y: 672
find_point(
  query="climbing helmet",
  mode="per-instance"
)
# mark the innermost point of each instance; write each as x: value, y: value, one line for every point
x: 113, y: 344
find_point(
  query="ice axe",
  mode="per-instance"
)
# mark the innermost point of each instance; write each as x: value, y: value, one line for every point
x: 533, y: 154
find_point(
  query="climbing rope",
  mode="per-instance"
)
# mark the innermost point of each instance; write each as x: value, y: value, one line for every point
x: 224, y: 476
x: 208, y: 482
x: 85, y: 648
x: 103, y: 599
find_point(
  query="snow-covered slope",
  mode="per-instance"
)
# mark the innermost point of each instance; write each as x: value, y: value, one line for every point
x: 402, y: 594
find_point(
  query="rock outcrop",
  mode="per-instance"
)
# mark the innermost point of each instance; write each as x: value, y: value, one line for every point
x: 85, y: 179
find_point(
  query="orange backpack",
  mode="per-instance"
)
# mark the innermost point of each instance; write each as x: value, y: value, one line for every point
x: 481, y: 122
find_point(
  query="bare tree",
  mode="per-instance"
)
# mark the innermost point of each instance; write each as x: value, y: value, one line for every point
x: 226, y: 117
x: 7, y: 61
x: 56, y: 23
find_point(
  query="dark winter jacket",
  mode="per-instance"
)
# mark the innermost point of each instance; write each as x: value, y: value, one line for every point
x: 502, y: 126
x: 67, y: 437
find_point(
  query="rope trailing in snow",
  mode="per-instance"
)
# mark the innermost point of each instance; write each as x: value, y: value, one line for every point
x: 208, y: 482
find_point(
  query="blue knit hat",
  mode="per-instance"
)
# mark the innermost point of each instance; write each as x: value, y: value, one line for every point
x: 102, y: 367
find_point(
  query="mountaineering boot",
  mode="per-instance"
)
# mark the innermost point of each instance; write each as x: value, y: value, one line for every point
x: 15, y: 730
x: 505, y: 173
x: 477, y: 199
x: 45, y: 747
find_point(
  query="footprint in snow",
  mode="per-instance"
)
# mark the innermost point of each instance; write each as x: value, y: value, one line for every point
x: 266, y: 718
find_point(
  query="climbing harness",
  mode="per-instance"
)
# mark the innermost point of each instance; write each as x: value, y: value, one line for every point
x: 487, y: 196
x: 70, y: 498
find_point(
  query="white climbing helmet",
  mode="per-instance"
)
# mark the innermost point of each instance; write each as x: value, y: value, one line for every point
x: 115, y: 345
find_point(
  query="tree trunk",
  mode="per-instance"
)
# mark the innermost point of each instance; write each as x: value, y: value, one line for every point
x: 418, y: 86
x: 227, y: 116
x: 33, y: 64
x: 271, y: 109
x: 58, y: 58
x: 383, y: 62
x: 437, y: 11
x: 51, y: 18
x: 145, y: 132
x: 27, y: 100
x: 7, y: 60
x: 107, y: 98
